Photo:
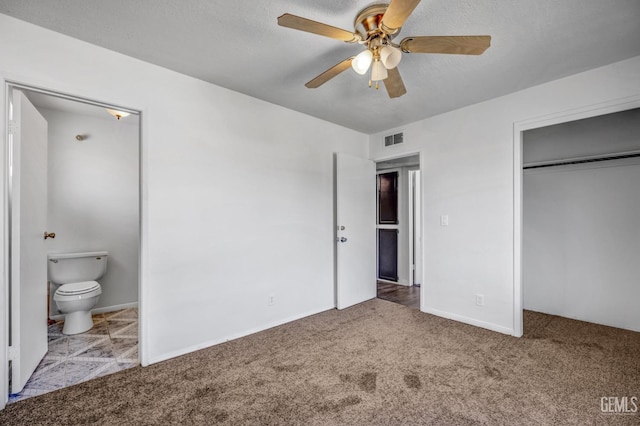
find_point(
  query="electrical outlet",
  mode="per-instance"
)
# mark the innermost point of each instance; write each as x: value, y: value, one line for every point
x: 479, y: 299
x: 272, y: 300
x: 444, y: 220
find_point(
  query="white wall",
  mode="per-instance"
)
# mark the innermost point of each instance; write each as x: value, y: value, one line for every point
x: 581, y: 242
x: 596, y: 136
x: 93, y: 196
x: 468, y: 173
x: 237, y: 199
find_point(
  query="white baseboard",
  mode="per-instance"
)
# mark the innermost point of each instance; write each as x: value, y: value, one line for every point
x: 215, y: 342
x: 102, y: 310
x: 470, y: 321
x: 114, y: 308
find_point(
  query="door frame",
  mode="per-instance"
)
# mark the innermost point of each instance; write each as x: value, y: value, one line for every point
x: 412, y: 219
x: 421, y: 218
x: 5, y: 279
x: 519, y: 127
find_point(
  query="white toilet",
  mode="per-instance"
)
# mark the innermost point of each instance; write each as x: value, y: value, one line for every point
x: 78, y: 292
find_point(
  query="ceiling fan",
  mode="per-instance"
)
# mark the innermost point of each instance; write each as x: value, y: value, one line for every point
x: 375, y: 27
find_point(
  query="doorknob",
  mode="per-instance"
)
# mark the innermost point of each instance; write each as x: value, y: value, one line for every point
x: 49, y: 235
x: 342, y: 239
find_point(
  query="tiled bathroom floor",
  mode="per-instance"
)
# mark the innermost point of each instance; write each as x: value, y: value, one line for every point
x: 110, y: 346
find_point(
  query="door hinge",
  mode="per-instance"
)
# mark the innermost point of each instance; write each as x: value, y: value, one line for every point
x: 14, y: 127
x: 13, y: 353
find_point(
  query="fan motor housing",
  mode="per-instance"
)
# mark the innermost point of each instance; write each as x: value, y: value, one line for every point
x: 367, y: 23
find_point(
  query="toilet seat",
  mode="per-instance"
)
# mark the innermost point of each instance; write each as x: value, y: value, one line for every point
x: 79, y: 290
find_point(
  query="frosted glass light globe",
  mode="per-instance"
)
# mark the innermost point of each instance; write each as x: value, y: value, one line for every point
x: 362, y: 61
x: 390, y: 56
x: 378, y: 71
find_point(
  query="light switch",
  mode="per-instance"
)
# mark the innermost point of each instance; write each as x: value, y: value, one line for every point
x: 444, y: 220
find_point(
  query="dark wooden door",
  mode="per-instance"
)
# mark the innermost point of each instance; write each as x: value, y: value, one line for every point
x: 388, y: 198
x: 388, y: 254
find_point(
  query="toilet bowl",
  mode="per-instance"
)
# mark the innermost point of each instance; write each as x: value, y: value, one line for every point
x: 78, y: 292
x: 75, y: 301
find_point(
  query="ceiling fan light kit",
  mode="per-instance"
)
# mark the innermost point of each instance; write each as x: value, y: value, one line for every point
x: 362, y: 62
x: 378, y: 72
x: 390, y: 56
x: 117, y: 114
x: 375, y: 27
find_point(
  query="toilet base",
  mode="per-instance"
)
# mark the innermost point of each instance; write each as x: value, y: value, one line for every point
x: 77, y: 322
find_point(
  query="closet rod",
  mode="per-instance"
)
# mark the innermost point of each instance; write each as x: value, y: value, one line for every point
x: 586, y: 160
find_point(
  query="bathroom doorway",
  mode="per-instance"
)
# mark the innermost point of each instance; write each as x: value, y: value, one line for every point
x: 78, y: 190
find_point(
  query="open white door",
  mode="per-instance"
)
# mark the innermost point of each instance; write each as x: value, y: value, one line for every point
x: 28, y: 138
x: 356, y: 235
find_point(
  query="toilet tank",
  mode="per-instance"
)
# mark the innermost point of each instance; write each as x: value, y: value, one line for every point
x: 75, y: 267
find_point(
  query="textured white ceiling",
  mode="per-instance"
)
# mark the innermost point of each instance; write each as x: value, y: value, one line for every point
x: 238, y: 45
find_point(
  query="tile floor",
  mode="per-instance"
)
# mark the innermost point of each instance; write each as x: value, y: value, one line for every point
x: 110, y: 346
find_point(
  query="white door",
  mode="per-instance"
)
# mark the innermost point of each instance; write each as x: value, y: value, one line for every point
x: 356, y: 234
x: 28, y: 138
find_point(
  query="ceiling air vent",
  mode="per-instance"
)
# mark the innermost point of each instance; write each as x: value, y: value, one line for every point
x: 393, y: 139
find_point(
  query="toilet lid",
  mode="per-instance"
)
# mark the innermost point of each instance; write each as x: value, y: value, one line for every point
x: 77, y: 288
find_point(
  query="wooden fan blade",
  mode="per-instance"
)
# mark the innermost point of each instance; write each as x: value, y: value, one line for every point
x: 398, y: 12
x: 304, y: 24
x: 330, y: 73
x: 460, y: 45
x: 394, y: 84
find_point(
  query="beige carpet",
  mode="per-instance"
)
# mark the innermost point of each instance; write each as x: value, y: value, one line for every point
x: 377, y: 363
